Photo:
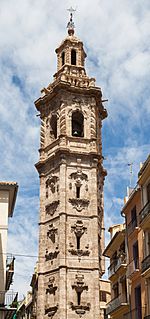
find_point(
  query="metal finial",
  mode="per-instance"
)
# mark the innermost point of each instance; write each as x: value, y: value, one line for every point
x: 70, y: 24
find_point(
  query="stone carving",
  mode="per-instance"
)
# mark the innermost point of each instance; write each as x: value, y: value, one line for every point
x: 79, y: 252
x: 52, y: 232
x: 79, y: 287
x: 51, y: 288
x: 79, y: 175
x: 51, y: 208
x: 50, y: 311
x: 79, y: 204
x: 79, y: 284
x: 51, y: 255
x: 80, y: 309
x: 78, y: 228
x: 51, y: 182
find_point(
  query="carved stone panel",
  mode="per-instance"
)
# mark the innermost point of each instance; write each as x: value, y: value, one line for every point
x: 51, y: 255
x: 79, y: 204
x: 79, y: 175
x: 78, y: 228
x: 80, y: 309
x: 79, y: 252
x: 51, y: 288
x: 52, y: 207
x: 50, y: 311
x: 79, y: 286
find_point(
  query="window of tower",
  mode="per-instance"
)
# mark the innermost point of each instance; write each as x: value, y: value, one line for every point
x: 79, y: 297
x: 77, y: 124
x: 78, y: 242
x: 63, y: 58
x: 77, y: 191
x: 73, y: 57
x: 53, y: 124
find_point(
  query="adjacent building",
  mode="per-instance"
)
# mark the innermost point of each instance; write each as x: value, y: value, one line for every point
x: 8, y: 193
x: 130, y: 273
x: 116, y: 251
x: 144, y: 223
x: 70, y: 167
x: 28, y: 306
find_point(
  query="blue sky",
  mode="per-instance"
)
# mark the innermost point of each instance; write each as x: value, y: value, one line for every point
x: 116, y: 38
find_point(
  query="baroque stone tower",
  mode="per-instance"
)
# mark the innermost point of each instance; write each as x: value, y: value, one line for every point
x: 71, y: 228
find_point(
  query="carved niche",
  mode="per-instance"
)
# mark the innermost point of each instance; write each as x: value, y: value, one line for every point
x: 52, y: 184
x: 79, y: 286
x: 51, y: 309
x: 80, y: 179
x: 52, y: 231
x: 51, y: 288
x: 79, y: 229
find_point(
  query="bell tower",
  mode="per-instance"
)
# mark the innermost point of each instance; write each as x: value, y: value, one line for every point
x: 71, y: 227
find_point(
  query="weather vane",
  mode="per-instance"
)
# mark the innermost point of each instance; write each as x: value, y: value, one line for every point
x: 70, y: 24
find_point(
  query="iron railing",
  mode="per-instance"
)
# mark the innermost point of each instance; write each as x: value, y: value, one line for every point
x: 9, y: 271
x: 116, y: 264
x: 8, y: 299
x: 133, y: 267
x: 144, y: 212
x: 116, y: 303
x: 145, y: 264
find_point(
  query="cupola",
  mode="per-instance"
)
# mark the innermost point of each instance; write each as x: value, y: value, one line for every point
x: 70, y: 53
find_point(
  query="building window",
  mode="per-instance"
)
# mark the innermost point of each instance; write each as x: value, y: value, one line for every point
x: 73, y: 57
x: 53, y: 124
x: 134, y: 217
x: 148, y: 192
x: 103, y: 296
x: 63, y: 58
x: 77, y: 124
x: 116, y: 290
x: 138, y: 303
x: 136, y: 255
x: 78, y: 242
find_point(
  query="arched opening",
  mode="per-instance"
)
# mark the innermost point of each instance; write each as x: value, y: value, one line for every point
x: 77, y: 124
x: 53, y: 124
x: 73, y: 57
x: 63, y: 58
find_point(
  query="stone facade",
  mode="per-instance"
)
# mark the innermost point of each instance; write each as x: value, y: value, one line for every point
x: 71, y: 228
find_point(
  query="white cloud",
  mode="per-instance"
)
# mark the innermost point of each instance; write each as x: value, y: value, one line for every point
x: 116, y: 37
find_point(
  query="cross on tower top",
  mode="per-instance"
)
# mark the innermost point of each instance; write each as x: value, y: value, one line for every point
x: 70, y: 24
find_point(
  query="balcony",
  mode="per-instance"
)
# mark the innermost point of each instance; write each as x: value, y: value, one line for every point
x: 133, y: 268
x: 117, y: 265
x: 132, y: 226
x: 144, y: 216
x: 9, y: 271
x: 145, y: 264
x: 117, y: 305
x: 8, y: 303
